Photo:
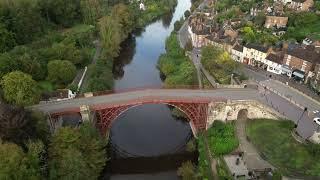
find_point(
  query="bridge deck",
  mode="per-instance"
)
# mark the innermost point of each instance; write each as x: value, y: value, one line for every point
x: 150, y: 96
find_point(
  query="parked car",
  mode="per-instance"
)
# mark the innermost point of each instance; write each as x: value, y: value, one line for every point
x: 317, y: 120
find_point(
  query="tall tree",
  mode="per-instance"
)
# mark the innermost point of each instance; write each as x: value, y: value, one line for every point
x: 76, y: 153
x: 7, y: 39
x: 122, y: 13
x: 20, y: 89
x: 91, y: 10
x: 110, y: 35
x: 61, y: 71
x: 64, y: 12
x: 15, y: 164
x: 20, y: 126
x: 22, y: 18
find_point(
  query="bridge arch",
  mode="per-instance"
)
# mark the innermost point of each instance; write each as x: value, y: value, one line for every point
x: 196, y: 113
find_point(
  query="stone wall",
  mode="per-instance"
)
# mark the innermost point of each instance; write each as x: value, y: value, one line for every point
x: 229, y: 111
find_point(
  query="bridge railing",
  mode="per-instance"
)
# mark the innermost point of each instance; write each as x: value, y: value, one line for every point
x: 106, y: 92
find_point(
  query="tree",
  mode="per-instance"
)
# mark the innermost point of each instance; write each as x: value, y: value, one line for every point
x: 7, y: 64
x: 76, y: 153
x: 260, y: 19
x: 61, y: 71
x: 22, y: 18
x: 110, y: 35
x: 64, y: 12
x: 124, y: 17
x: 7, y: 40
x: 67, y: 51
x: 15, y: 164
x: 91, y: 10
x: 20, y: 126
x: 249, y: 35
x: 20, y: 89
x: 187, y: 171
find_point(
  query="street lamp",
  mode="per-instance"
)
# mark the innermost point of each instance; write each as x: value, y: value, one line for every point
x: 304, y: 110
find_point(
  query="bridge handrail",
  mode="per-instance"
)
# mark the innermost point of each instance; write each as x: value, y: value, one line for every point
x: 106, y: 92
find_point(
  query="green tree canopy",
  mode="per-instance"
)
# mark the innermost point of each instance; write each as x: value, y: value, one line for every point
x: 64, y: 12
x: 76, y: 153
x: 124, y: 17
x: 19, y: 88
x: 22, y: 18
x: 218, y: 63
x: 61, y: 71
x: 91, y: 10
x: 7, y: 39
x: 110, y: 34
x: 15, y: 164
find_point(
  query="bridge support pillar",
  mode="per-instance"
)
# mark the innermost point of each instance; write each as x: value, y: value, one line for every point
x: 85, y: 112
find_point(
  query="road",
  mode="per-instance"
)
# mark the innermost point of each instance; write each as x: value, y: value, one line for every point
x: 306, y: 125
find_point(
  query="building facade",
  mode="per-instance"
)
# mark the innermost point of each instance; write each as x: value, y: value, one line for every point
x: 254, y: 54
x: 276, y: 21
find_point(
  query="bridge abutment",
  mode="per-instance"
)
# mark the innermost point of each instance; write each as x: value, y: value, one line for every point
x: 228, y: 111
x: 85, y: 113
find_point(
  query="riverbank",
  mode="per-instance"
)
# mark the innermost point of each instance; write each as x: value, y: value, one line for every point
x: 131, y: 19
x: 175, y: 66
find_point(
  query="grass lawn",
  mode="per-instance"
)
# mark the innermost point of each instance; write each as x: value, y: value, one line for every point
x: 273, y: 139
x: 222, y: 138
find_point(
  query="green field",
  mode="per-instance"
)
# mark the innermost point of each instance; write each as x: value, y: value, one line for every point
x: 276, y: 144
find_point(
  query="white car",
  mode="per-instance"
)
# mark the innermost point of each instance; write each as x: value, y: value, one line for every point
x: 317, y: 120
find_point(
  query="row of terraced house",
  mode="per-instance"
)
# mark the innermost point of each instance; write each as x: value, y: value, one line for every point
x: 300, y: 61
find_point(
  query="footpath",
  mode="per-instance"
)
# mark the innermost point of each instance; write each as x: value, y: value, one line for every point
x: 251, y: 156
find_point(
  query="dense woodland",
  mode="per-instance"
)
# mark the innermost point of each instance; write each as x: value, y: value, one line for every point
x: 42, y: 38
x: 43, y: 45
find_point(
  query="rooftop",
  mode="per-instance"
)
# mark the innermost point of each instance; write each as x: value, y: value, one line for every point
x: 257, y: 47
x: 277, y: 58
x: 305, y: 54
x: 238, y: 48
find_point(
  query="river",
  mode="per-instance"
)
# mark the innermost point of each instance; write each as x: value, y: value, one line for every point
x: 147, y: 130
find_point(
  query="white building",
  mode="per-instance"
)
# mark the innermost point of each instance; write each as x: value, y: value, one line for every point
x: 237, y: 53
x: 254, y: 54
x: 273, y: 63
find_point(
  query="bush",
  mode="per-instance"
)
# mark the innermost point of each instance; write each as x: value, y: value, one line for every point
x: 191, y: 146
x: 187, y: 171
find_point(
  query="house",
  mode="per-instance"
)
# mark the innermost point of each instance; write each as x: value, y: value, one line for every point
x: 273, y: 63
x: 237, y: 53
x: 198, y: 30
x: 313, y: 42
x: 223, y: 42
x: 254, y: 54
x: 301, y: 5
x: 276, y: 21
x: 231, y: 33
x: 303, y: 59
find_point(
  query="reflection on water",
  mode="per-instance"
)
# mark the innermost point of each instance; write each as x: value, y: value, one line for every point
x: 128, y: 48
x: 147, y: 130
